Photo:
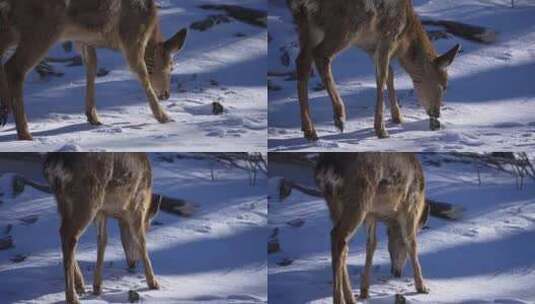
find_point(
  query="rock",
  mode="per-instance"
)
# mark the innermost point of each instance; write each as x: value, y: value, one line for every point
x: 102, y: 72
x: 6, y: 243
x: 217, y: 108
x: 18, y: 258
x: 133, y: 296
x: 296, y: 223
x: 273, y: 87
x: 30, y: 219
x: 285, y: 262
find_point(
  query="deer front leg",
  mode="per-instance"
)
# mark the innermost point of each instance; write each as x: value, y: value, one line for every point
x: 79, y: 283
x: 135, y: 57
x: 394, y: 104
x: 371, y: 245
x: 69, y: 239
x: 89, y: 56
x: 303, y: 65
x: 4, y: 95
x: 340, y: 234
x: 137, y: 228
x: 102, y: 239
x: 382, y: 61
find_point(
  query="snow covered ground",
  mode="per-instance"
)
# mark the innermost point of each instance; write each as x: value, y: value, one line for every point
x: 226, y: 63
x: 486, y: 257
x: 489, y: 105
x: 216, y: 256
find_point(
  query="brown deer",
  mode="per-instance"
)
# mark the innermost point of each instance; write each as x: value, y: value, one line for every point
x: 366, y: 188
x: 130, y: 26
x: 385, y: 29
x: 92, y: 187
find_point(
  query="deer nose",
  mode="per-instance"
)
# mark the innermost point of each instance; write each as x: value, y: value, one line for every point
x: 164, y: 96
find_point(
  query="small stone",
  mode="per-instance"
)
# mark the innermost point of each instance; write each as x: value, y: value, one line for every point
x: 133, y: 296
x: 400, y: 299
x: 102, y: 72
x: 28, y: 220
x: 296, y: 223
x: 8, y: 228
x: 6, y: 243
x: 273, y: 246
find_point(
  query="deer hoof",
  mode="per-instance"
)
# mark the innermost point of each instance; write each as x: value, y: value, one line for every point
x: 381, y: 133
x: 364, y: 293
x: 163, y: 118
x: 97, y: 290
x: 422, y: 289
x: 24, y: 136
x: 397, y: 120
x: 93, y: 120
x: 434, y: 124
x: 339, y: 123
x: 311, y: 135
x: 73, y: 301
x: 153, y: 284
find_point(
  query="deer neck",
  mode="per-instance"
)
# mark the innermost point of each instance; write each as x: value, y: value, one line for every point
x: 416, y: 51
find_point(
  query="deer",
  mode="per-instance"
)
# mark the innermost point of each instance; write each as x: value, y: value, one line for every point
x: 91, y: 187
x: 129, y: 26
x: 364, y: 188
x: 385, y: 30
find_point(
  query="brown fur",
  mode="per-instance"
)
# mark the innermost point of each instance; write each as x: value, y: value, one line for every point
x: 385, y: 29
x: 130, y: 26
x: 92, y: 187
x: 366, y: 188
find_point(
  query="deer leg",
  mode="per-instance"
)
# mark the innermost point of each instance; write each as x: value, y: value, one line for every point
x: 30, y: 51
x: 382, y: 61
x: 138, y: 233
x: 102, y: 239
x: 304, y: 64
x: 408, y: 231
x: 89, y: 56
x: 340, y: 235
x: 394, y: 104
x: 136, y: 60
x: 79, y: 283
x: 130, y: 251
x: 7, y: 39
x: 323, y: 55
x: 371, y: 245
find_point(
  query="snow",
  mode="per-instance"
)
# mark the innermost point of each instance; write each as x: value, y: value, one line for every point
x: 216, y: 256
x: 216, y: 65
x: 486, y: 257
x: 489, y: 104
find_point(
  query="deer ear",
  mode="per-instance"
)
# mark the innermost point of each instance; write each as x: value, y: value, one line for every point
x: 175, y: 43
x: 446, y: 59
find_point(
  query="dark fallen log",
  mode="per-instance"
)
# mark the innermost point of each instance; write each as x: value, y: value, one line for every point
x: 466, y: 31
x: 247, y: 15
x: 171, y: 205
x: 437, y: 209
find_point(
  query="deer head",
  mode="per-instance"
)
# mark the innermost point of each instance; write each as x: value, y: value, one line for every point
x: 159, y: 60
x: 396, y: 244
x: 431, y: 83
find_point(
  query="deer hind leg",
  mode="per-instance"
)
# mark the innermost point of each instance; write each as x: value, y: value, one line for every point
x: 394, y: 104
x: 304, y: 64
x: 30, y: 51
x: 137, y: 231
x: 340, y: 235
x: 323, y: 55
x: 102, y: 239
x: 135, y: 56
x: 408, y: 227
x: 371, y: 245
x: 7, y: 39
x: 130, y: 251
x: 382, y: 62
x: 89, y: 56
